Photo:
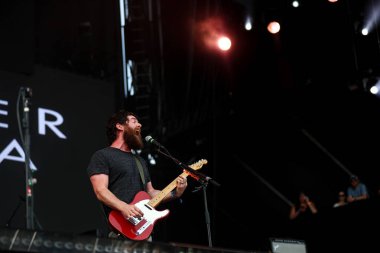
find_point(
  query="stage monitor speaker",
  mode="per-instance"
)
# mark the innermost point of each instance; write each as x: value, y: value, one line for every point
x: 279, y: 245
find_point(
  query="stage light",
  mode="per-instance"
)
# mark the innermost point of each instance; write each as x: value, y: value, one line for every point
x: 248, y: 23
x: 364, y: 31
x: 295, y: 4
x: 374, y: 90
x: 151, y: 159
x: 274, y: 27
x: 224, y: 43
x: 372, y: 84
x: 213, y: 34
x: 371, y: 16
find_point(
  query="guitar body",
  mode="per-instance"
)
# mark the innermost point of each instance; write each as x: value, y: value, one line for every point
x: 137, y: 229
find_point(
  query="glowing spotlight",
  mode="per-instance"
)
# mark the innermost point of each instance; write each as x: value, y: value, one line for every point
x: 295, y: 4
x: 365, y: 31
x: 248, y: 23
x: 371, y: 17
x: 374, y: 90
x: 372, y: 84
x: 273, y: 27
x: 151, y: 159
x: 212, y: 32
x: 224, y: 43
x: 333, y: 1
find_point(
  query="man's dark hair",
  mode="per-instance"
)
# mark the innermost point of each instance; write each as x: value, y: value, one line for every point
x: 118, y: 117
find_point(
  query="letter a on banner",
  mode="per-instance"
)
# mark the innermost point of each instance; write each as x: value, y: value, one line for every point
x: 6, y: 154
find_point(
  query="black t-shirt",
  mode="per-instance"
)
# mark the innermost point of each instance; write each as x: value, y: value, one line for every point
x: 121, y: 167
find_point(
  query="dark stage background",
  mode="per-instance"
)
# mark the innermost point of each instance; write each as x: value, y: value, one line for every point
x: 275, y: 115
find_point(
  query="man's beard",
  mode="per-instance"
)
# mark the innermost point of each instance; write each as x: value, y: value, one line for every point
x: 133, y: 140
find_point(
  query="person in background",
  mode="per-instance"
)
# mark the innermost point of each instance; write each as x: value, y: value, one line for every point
x: 341, y: 200
x: 357, y: 190
x: 305, y: 206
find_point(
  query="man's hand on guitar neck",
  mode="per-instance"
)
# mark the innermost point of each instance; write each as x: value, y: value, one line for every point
x: 181, y: 186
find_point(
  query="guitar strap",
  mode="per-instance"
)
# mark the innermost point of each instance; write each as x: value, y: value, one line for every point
x: 141, y: 170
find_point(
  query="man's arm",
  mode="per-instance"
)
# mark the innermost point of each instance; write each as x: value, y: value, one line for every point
x: 364, y: 192
x: 100, y: 185
x: 350, y: 197
x: 364, y: 195
x: 312, y: 206
x: 293, y: 213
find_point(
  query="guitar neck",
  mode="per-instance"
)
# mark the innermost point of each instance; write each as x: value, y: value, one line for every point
x: 160, y: 196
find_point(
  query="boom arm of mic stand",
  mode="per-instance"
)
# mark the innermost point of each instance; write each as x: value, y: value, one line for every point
x: 200, y: 177
x: 203, y: 179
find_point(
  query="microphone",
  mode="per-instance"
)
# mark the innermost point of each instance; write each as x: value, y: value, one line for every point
x: 150, y: 140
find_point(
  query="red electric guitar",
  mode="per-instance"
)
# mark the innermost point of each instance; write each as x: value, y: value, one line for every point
x: 141, y: 228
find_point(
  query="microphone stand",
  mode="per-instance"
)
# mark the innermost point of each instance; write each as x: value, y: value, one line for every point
x: 202, y: 179
x: 207, y: 214
x: 26, y: 94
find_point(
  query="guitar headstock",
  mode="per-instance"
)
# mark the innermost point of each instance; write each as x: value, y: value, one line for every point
x: 198, y: 165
